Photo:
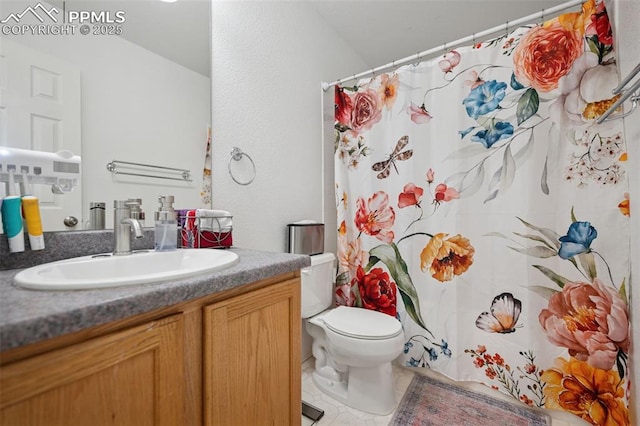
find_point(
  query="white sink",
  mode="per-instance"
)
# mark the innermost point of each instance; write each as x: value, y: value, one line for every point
x: 101, y: 271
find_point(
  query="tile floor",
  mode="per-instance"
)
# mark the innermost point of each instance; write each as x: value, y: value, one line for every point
x: 337, y: 414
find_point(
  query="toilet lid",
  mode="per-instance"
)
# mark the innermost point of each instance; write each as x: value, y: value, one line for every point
x: 362, y: 323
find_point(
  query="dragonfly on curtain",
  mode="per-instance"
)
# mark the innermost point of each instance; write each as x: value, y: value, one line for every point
x: 384, y: 167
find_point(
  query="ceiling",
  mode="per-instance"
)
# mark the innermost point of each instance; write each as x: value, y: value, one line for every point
x: 380, y: 31
x: 177, y: 31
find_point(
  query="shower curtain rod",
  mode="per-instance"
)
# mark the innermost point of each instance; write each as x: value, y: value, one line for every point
x: 472, y: 38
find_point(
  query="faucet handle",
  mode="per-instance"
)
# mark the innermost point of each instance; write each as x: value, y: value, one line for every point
x: 135, y: 205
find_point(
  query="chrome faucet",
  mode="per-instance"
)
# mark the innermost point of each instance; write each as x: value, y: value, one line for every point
x: 123, y: 224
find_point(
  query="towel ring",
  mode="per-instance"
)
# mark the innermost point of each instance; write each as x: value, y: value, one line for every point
x: 236, y: 155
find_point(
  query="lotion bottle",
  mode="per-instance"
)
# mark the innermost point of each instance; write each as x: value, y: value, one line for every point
x: 166, y: 229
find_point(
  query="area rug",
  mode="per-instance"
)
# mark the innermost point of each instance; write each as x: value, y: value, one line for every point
x: 430, y: 402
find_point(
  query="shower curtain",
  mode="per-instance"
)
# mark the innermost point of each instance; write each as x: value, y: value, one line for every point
x: 480, y: 203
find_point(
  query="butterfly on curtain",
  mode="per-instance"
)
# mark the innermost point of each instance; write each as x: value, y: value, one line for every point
x: 505, y: 311
x: 384, y: 167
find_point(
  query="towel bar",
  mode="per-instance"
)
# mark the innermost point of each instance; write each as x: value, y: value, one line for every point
x: 178, y: 174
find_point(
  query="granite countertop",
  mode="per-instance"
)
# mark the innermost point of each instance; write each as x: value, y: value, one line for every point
x: 29, y: 316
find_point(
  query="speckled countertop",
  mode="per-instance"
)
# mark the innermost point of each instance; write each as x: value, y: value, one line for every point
x: 29, y: 316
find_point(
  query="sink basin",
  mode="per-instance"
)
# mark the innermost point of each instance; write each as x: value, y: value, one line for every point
x: 105, y: 270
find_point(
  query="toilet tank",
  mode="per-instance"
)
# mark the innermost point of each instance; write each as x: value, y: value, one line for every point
x: 318, y: 284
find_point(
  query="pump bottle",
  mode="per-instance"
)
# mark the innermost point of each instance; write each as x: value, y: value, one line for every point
x: 166, y: 228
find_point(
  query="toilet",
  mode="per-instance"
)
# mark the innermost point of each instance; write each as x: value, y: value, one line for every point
x: 353, y: 347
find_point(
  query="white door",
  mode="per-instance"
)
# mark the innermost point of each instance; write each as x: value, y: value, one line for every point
x: 40, y: 110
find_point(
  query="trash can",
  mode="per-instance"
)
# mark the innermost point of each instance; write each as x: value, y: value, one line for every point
x: 306, y: 237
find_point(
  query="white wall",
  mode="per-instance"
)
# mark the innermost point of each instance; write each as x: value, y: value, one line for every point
x: 627, y: 34
x: 269, y: 59
x: 138, y: 107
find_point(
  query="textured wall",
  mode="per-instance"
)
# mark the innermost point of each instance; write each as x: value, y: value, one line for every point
x: 269, y: 59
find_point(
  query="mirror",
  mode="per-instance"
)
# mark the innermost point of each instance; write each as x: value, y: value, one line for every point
x: 109, y: 80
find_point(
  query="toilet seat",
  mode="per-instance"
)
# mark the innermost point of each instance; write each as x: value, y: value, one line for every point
x: 362, y: 323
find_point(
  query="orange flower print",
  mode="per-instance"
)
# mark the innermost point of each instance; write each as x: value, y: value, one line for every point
x: 388, y: 90
x: 375, y: 217
x: 446, y: 258
x: 490, y: 373
x: 624, y: 205
x: 342, y: 230
x: 545, y: 54
x: 596, y: 396
x: 578, y: 20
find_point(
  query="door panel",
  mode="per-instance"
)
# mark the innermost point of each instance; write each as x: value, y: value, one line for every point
x: 40, y: 109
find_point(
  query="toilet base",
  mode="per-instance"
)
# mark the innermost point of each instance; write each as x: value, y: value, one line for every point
x: 366, y: 389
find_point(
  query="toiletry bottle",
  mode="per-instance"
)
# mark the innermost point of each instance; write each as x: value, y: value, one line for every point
x: 166, y: 230
x: 31, y: 212
x: 12, y: 223
x: 96, y: 215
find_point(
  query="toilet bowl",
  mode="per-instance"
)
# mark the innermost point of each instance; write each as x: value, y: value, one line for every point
x: 353, y: 364
x: 353, y: 347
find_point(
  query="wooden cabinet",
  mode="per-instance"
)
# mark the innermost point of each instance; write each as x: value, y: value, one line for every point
x: 231, y: 358
x: 132, y: 377
x: 252, y: 358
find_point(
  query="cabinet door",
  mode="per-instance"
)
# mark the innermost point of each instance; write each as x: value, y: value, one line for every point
x: 252, y: 358
x: 131, y: 377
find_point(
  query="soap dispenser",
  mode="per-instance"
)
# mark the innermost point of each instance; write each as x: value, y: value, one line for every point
x: 166, y: 229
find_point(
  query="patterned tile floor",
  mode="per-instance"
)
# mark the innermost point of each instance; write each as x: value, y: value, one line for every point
x: 337, y: 414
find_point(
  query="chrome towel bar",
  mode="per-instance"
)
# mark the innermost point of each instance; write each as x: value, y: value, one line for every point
x: 142, y: 169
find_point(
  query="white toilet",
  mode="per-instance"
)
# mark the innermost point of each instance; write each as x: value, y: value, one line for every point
x: 353, y: 347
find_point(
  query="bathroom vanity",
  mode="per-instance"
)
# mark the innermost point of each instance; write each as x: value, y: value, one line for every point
x: 217, y: 349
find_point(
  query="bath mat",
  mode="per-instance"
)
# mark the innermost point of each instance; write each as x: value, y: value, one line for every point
x: 430, y: 402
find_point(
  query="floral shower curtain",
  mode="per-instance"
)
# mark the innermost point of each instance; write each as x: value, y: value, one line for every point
x: 479, y: 202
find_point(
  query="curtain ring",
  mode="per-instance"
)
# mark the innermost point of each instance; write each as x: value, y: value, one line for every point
x: 542, y: 17
x: 236, y: 155
x: 506, y: 26
x: 444, y: 49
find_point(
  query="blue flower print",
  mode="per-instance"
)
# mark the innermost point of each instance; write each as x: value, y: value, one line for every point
x: 413, y: 362
x: 433, y: 355
x: 578, y: 240
x: 484, y: 98
x: 465, y: 132
x: 445, y: 349
x: 495, y: 132
x: 407, y: 346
